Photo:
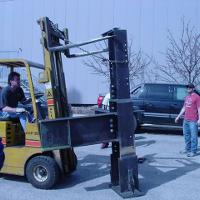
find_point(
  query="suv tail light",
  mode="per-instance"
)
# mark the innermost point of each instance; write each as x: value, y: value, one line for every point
x: 99, y: 101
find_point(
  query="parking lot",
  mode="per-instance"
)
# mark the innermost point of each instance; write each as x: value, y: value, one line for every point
x: 164, y: 175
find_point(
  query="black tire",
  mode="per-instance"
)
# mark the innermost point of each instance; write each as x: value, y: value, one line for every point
x: 69, y: 160
x: 74, y: 161
x: 2, y: 158
x: 42, y: 172
x: 135, y: 123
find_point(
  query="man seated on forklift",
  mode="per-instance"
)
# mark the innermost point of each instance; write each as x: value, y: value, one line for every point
x: 11, y: 95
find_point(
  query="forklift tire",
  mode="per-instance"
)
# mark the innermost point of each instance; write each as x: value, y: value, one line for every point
x: 42, y: 172
x: 74, y: 162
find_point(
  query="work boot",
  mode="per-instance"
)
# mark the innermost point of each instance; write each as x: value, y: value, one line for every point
x: 104, y: 145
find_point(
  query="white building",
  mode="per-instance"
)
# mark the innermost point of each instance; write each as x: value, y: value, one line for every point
x: 146, y: 21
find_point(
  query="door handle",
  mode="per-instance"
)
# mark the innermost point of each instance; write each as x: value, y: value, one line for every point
x: 148, y: 104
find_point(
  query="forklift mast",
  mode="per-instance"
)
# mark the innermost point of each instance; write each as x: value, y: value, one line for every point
x: 53, y: 76
x: 116, y: 126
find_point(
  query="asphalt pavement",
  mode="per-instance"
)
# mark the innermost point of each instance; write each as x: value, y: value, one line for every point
x: 165, y: 174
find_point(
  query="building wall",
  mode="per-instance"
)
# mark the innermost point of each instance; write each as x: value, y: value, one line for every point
x: 146, y: 21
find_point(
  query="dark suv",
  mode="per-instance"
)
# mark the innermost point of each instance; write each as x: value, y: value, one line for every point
x: 157, y: 105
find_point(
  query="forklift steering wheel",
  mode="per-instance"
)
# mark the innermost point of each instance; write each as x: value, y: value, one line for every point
x: 29, y: 100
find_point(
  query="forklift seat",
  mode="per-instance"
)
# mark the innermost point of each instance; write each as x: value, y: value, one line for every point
x: 10, y: 129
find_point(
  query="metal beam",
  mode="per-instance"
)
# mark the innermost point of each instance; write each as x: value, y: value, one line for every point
x: 88, y: 53
x: 69, y: 46
x: 78, y: 131
x: 124, y: 165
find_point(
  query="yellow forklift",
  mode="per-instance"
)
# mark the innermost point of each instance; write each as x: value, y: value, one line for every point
x: 45, y: 150
x: 23, y: 152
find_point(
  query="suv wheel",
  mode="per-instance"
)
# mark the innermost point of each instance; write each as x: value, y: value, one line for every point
x: 135, y: 123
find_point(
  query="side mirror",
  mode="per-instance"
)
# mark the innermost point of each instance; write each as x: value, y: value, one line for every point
x: 43, y: 77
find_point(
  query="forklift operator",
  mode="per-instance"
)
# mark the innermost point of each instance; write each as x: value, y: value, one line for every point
x: 11, y: 95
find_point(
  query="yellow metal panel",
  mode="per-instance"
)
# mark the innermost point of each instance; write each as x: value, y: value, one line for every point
x: 32, y: 131
x: 49, y: 93
x: 3, y: 125
x: 15, y: 159
x: 51, y: 112
x: 17, y: 62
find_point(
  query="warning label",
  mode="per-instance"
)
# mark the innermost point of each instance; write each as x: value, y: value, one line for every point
x: 49, y: 94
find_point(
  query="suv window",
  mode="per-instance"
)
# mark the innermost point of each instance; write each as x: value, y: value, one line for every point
x: 158, y: 92
x: 138, y: 92
x: 180, y: 92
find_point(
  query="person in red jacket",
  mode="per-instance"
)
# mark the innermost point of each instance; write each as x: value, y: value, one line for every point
x: 191, y: 111
x: 105, y: 106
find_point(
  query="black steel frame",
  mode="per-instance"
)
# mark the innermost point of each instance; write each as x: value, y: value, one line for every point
x: 116, y: 126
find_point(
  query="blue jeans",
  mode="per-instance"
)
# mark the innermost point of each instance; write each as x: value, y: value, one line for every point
x: 190, y: 132
x: 10, y: 115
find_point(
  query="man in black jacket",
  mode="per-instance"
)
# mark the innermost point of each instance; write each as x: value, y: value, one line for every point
x: 11, y: 95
